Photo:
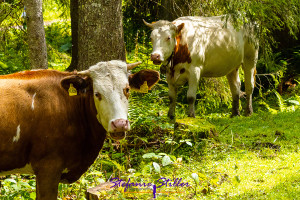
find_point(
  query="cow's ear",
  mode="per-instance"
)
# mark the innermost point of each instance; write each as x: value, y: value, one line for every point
x: 180, y: 27
x: 79, y: 82
x: 151, y: 77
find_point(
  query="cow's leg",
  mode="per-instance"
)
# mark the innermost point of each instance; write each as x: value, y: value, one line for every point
x: 235, y: 85
x: 172, y: 97
x: 249, y: 68
x: 48, y: 175
x: 193, y: 82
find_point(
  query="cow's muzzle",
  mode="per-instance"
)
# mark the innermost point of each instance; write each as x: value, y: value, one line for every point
x: 156, y: 58
x: 119, y: 128
x: 117, y: 135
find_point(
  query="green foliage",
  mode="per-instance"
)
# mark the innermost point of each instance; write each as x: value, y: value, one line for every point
x: 133, y: 13
x: 16, y: 187
x: 56, y: 9
x: 10, y: 13
x: 13, y: 51
x: 58, y: 38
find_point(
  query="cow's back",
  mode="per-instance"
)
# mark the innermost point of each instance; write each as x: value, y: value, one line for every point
x: 216, y: 48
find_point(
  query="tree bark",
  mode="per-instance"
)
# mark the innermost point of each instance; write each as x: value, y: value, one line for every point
x: 36, y: 34
x: 74, y: 29
x: 172, y: 9
x: 99, y: 34
x: 165, y: 11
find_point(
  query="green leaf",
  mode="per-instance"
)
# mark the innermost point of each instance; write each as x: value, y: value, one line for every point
x: 189, y: 143
x: 11, y: 181
x: 149, y: 155
x: 156, y: 167
x: 32, y: 195
x: 237, y: 178
x: 166, y: 160
x: 195, y: 177
x: 294, y: 102
x: 65, y: 47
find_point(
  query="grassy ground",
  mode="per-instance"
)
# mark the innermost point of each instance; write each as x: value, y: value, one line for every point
x: 254, y: 157
x: 257, y: 157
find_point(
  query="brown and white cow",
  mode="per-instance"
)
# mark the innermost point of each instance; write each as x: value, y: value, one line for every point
x: 194, y: 47
x: 46, y: 132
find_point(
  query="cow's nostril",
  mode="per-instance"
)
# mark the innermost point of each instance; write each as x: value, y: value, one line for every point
x: 113, y: 125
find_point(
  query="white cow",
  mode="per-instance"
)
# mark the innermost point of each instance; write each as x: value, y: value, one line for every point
x: 194, y: 47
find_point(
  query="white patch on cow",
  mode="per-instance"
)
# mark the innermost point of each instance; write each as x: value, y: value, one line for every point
x: 32, y: 103
x: 65, y: 171
x: 27, y: 169
x: 17, y: 137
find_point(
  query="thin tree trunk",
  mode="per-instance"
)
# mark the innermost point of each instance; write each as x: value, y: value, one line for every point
x: 36, y: 34
x: 74, y: 28
x: 100, y: 33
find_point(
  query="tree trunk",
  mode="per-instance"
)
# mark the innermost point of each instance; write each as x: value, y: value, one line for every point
x: 36, y: 34
x: 99, y: 35
x: 172, y: 9
x: 74, y: 29
x: 165, y: 11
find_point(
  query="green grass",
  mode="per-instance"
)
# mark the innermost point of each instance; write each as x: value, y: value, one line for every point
x: 256, y: 157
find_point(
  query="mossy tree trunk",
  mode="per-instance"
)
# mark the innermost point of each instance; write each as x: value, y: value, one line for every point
x: 99, y: 35
x: 36, y: 34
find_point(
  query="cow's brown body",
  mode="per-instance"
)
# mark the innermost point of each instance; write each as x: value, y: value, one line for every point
x: 46, y: 132
x: 56, y: 131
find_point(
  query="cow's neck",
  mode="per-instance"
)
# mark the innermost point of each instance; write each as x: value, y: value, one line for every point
x: 181, y: 54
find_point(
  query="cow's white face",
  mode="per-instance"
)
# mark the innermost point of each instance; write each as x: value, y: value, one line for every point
x: 164, y: 38
x: 163, y: 41
x: 111, y: 92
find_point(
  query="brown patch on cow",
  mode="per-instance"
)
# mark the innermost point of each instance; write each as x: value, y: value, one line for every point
x: 180, y: 27
x: 181, y: 52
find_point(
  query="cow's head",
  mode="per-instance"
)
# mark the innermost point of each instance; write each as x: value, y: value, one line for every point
x: 163, y: 38
x: 111, y: 84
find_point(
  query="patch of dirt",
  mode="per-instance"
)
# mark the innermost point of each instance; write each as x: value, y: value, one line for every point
x: 259, y: 145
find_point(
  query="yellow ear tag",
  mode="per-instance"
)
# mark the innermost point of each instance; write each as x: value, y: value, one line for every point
x: 72, y: 91
x: 144, y: 88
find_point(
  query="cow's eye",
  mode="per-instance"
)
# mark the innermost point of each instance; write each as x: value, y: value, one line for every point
x: 98, y: 95
x: 126, y: 91
x: 168, y: 39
